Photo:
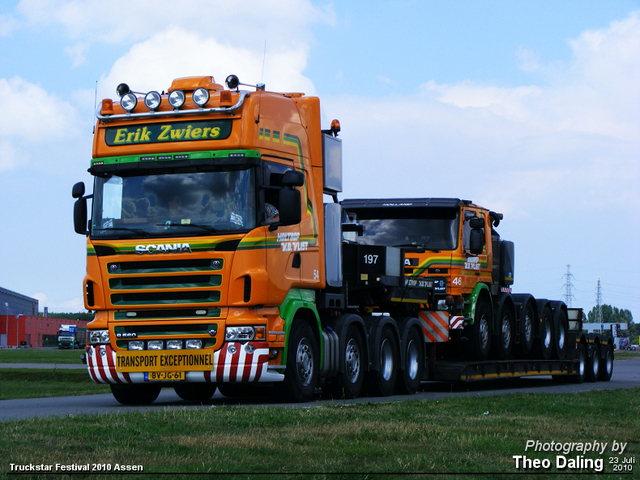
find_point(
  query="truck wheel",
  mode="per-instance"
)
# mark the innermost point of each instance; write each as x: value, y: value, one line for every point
x: 196, y: 392
x: 544, y: 344
x: 135, y: 394
x: 606, y: 365
x: 301, y: 375
x: 349, y: 383
x: 526, y: 331
x: 410, y: 375
x: 382, y: 380
x: 582, y: 365
x: 560, y: 336
x: 505, y: 335
x: 593, y: 364
x: 480, y: 331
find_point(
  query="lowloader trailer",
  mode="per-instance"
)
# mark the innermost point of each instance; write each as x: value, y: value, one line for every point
x: 213, y: 262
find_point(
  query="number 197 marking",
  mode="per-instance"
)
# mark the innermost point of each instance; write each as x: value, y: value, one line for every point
x: 371, y: 259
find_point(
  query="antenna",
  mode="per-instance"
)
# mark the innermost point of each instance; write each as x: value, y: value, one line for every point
x: 95, y: 107
x: 261, y: 85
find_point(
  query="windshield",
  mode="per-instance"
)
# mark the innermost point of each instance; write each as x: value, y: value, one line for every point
x: 425, y: 228
x: 175, y: 204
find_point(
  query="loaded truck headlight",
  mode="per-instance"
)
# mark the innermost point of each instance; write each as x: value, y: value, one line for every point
x: 176, y: 98
x: 200, y: 96
x: 155, y: 345
x: 128, y: 102
x: 135, y: 345
x: 193, y: 344
x: 244, y: 333
x: 96, y: 337
x: 152, y: 100
x: 174, y: 344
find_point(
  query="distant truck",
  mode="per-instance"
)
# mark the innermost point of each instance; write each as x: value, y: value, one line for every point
x: 71, y: 336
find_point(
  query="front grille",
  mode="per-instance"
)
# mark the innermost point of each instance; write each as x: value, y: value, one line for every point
x: 151, y: 283
x: 168, y: 314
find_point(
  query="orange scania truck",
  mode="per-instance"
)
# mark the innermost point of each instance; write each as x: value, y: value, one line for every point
x: 213, y: 262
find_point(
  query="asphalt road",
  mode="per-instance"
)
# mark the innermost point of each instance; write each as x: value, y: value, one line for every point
x: 626, y: 374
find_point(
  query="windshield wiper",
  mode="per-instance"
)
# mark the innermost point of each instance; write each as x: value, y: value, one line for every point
x: 134, y: 230
x: 203, y: 227
x: 418, y: 246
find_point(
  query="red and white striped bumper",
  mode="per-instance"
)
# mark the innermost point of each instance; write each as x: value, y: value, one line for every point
x: 249, y: 362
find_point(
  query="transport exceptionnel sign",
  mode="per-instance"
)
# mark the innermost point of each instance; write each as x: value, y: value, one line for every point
x: 167, y: 132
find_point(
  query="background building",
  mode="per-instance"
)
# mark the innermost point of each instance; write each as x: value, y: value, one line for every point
x: 20, y: 324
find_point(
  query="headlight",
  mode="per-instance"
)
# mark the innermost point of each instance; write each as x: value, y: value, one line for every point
x: 129, y: 102
x: 200, y: 96
x: 244, y: 333
x: 193, y: 344
x: 176, y: 98
x: 174, y: 344
x: 97, y: 337
x: 152, y: 100
x: 135, y: 345
x: 155, y: 345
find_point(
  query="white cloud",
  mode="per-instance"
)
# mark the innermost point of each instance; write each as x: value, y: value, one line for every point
x: 243, y: 23
x: 31, y: 116
x: 78, y: 52
x: 8, y: 24
x: 154, y: 63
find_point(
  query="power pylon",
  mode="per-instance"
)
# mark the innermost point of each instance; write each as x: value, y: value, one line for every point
x: 599, y: 303
x: 568, y: 287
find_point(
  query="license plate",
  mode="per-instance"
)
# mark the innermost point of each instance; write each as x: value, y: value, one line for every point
x: 168, y: 361
x: 158, y: 376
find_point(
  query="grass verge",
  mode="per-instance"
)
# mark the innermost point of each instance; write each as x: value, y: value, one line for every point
x: 27, y: 383
x: 37, y: 355
x: 469, y: 436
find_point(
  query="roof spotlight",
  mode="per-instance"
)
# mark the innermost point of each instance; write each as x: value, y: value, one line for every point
x: 128, y: 101
x: 200, y: 97
x: 122, y: 89
x: 152, y: 100
x: 176, y: 98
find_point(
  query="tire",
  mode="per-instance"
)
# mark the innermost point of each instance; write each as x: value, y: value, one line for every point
x: 593, y: 364
x: 301, y: 374
x: 480, y: 332
x: 581, y: 355
x: 382, y: 380
x: 195, y: 392
x: 526, y: 331
x: 504, y: 342
x: 348, y: 384
x: 606, y: 365
x: 560, y: 336
x: 411, y: 373
x: 544, y: 342
x: 135, y: 394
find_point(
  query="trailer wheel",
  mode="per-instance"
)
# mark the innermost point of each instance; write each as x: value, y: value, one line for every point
x: 480, y: 331
x: 382, y: 380
x: 409, y: 381
x: 606, y: 365
x: 349, y: 383
x: 135, y: 394
x: 195, y: 392
x: 560, y: 336
x: 505, y: 335
x: 301, y: 375
x: 581, y: 355
x: 544, y: 345
x: 526, y: 332
x: 593, y: 364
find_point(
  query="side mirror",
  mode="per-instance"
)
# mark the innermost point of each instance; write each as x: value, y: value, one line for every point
x: 78, y: 190
x: 291, y: 178
x: 476, y: 241
x: 476, y: 223
x: 290, y: 211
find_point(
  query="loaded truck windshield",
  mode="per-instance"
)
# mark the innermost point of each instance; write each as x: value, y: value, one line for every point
x: 176, y: 204
x: 426, y: 228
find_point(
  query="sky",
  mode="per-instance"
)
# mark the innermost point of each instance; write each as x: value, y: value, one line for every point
x: 531, y: 109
